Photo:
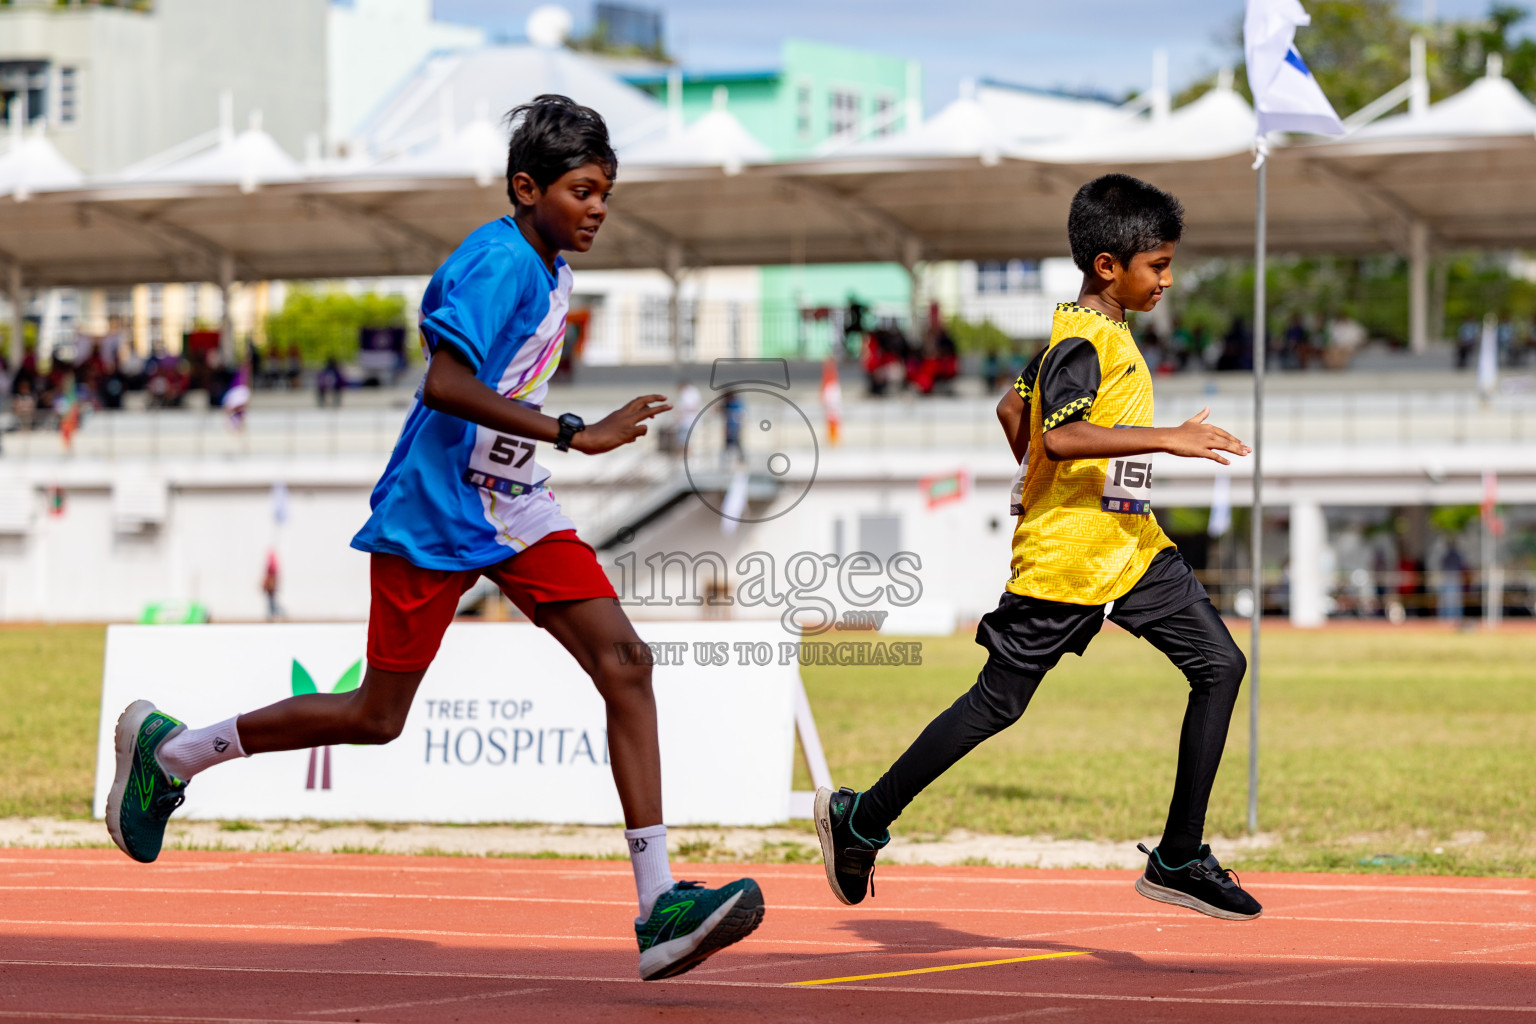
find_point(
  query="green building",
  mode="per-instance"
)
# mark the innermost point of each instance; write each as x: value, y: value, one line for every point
x: 818, y: 93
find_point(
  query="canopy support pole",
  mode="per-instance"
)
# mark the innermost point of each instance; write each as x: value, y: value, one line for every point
x: 673, y: 268
x: 18, y: 316
x: 226, y: 320
x: 911, y: 253
x: 1256, y: 531
x: 1418, y: 285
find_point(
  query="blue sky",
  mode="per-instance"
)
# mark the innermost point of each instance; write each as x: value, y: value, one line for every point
x: 1104, y: 45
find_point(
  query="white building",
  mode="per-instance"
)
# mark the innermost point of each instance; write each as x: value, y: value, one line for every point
x: 371, y: 46
x: 117, y: 84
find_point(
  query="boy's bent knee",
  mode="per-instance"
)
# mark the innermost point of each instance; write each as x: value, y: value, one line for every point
x: 1228, y: 665
x: 614, y: 678
x: 376, y: 727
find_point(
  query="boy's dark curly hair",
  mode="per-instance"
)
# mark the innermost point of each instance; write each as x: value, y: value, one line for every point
x: 553, y: 135
x: 1121, y: 215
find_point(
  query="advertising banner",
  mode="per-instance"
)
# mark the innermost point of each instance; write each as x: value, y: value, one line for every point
x: 505, y: 726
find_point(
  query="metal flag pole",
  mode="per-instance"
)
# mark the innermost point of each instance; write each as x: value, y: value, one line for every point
x: 1257, y: 524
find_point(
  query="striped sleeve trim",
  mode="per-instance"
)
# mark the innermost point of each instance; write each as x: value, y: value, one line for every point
x: 1075, y: 409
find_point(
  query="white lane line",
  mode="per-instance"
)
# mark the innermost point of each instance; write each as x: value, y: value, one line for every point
x: 627, y: 940
x: 896, y: 873
x: 779, y: 907
x: 425, y: 1002
x: 1495, y: 949
x: 869, y: 987
x: 1279, y: 979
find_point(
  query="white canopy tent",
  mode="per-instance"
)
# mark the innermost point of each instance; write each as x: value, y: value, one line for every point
x: 986, y: 122
x: 1218, y: 124
x: 247, y: 160
x: 459, y: 88
x: 1451, y: 175
x: 32, y: 163
x: 717, y: 139
x: 477, y: 151
x: 1363, y: 194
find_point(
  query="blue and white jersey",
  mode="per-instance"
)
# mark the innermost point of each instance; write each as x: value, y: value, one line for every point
x: 456, y: 495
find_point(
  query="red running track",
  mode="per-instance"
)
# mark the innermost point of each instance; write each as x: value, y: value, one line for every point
x: 238, y: 937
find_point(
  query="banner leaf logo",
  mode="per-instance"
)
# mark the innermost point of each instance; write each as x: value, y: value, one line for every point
x: 303, y: 683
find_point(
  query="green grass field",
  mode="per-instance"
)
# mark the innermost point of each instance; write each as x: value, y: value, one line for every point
x: 1409, y: 750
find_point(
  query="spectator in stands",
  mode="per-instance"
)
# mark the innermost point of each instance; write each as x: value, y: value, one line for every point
x: 293, y: 365
x: 23, y: 403
x: 885, y: 352
x: 269, y: 582
x: 1151, y: 345
x: 1297, y: 353
x: 329, y: 382
x: 1467, y: 336
x: 992, y: 371
x: 1237, y: 347
x: 853, y: 326
x: 1448, y: 592
x: 734, y: 409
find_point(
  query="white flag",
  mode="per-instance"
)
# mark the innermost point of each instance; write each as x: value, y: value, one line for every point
x: 1286, y: 97
x: 1221, y: 505
x: 1488, y: 357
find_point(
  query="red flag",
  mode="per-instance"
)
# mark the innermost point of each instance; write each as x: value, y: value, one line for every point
x: 1491, y: 518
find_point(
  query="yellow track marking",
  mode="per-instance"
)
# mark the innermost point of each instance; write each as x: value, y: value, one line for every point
x: 947, y: 967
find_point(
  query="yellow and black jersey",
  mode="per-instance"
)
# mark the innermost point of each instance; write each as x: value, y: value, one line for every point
x: 1085, y: 532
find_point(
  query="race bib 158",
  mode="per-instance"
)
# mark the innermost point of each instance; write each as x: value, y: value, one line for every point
x: 1128, y: 485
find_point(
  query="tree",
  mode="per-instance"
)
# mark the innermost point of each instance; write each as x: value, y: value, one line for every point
x: 1360, y: 49
x: 325, y: 325
x: 1463, y: 51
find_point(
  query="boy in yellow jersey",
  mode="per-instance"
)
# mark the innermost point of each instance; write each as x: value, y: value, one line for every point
x: 1086, y: 547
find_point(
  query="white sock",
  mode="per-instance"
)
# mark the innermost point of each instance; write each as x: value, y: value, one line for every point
x: 648, y: 856
x: 189, y: 752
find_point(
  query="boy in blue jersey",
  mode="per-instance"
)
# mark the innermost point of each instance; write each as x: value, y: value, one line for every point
x: 464, y: 496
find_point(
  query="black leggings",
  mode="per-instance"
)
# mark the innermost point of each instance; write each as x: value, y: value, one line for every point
x: 1194, y: 639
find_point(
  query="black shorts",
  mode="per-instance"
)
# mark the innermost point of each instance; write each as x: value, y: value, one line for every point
x: 1029, y: 635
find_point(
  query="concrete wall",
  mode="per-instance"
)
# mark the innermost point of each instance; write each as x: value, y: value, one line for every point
x: 149, y: 81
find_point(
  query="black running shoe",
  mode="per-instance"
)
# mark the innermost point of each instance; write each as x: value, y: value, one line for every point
x: 849, y: 857
x: 1202, y: 884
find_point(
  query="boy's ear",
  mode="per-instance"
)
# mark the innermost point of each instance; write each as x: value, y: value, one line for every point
x: 525, y: 189
x: 1104, y: 266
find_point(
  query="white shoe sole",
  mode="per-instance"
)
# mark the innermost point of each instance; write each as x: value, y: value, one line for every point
x: 821, y: 811
x: 667, y: 954
x: 125, y: 740
x: 1163, y: 894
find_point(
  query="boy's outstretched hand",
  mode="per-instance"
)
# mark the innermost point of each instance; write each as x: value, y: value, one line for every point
x: 621, y: 426
x: 1197, y: 439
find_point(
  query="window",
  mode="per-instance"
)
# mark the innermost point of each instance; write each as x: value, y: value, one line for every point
x: 656, y: 323
x: 991, y: 276
x: 885, y: 115
x: 997, y: 277
x: 68, y: 97
x: 844, y: 119
x: 156, y: 314
x: 1024, y: 275
x: 24, y: 83
x: 803, y: 110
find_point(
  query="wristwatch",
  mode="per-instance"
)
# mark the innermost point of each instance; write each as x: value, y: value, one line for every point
x: 570, y: 426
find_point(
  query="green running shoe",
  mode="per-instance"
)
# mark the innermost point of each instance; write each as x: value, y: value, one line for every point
x: 689, y: 923
x: 143, y: 795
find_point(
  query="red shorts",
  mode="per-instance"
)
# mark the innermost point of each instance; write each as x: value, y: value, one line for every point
x: 412, y: 606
